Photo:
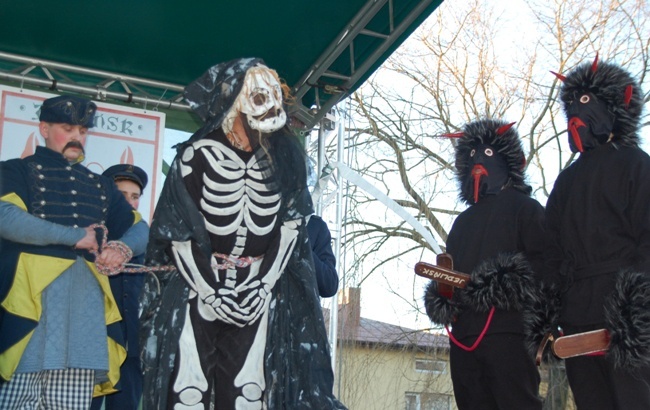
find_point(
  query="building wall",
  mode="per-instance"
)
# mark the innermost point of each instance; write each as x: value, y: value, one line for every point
x: 375, y: 378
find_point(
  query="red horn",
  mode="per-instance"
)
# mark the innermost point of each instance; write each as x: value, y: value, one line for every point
x: 628, y: 95
x: 559, y: 76
x: 594, y: 65
x: 502, y: 129
x: 454, y: 135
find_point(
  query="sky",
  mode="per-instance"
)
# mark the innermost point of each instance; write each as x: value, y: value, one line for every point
x: 172, y: 137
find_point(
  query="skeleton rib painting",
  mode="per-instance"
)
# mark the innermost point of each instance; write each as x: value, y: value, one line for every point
x: 237, y: 324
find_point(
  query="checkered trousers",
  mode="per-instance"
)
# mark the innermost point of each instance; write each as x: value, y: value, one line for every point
x: 69, y: 389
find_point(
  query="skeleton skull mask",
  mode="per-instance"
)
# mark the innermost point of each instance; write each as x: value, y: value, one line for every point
x: 260, y: 100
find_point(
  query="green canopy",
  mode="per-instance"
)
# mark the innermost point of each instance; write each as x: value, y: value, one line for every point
x: 144, y: 51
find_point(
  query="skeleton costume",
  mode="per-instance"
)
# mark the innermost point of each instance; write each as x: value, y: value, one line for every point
x: 238, y: 324
x: 598, y: 247
x: 496, y: 239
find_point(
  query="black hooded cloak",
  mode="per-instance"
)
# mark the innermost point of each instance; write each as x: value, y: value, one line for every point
x: 297, y: 362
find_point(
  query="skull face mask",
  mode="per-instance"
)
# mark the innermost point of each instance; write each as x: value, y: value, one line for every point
x: 260, y: 100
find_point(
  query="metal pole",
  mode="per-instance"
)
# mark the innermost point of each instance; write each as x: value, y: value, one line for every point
x: 320, y: 160
x: 334, y: 311
x: 96, y: 92
x: 88, y: 71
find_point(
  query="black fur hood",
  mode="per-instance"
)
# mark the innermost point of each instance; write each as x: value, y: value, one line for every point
x: 508, y: 144
x: 608, y: 82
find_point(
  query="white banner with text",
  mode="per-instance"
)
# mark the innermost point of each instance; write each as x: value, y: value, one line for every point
x: 121, y: 135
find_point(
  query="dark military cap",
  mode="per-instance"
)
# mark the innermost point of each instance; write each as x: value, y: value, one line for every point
x: 128, y: 172
x: 68, y: 109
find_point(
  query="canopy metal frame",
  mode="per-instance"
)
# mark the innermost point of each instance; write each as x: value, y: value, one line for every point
x: 321, y: 83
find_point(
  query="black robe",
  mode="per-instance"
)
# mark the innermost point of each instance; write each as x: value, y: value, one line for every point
x: 508, y: 222
x: 496, y: 240
x: 297, y: 363
x: 598, y: 218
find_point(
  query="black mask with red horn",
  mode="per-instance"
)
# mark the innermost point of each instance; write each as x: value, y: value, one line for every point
x: 489, y: 157
x: 602, y: 103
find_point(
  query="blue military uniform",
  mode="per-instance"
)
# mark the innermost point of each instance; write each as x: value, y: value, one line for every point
x: 126, y: 288
x: 42, y: 185
x: 324, y: 259
x: 57, y: 312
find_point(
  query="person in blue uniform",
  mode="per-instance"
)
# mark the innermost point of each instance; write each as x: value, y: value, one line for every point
x: 130, y: 181
x: 324, y: 259
x: 60, y: 340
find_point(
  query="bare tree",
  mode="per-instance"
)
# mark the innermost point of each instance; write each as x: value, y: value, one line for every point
x: 465, y: 63
x: 469, y: 60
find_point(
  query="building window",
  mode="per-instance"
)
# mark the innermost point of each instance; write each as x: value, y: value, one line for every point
x: 431, y: 366
x: 428, y: 401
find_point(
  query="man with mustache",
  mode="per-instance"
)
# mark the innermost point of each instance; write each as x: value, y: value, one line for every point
x: 60, y: 341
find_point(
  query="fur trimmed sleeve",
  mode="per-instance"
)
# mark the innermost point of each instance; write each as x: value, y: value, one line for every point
x: 505, y: 282
x: 627, y: 318
x: 440, y: 309
x: 541, y: 317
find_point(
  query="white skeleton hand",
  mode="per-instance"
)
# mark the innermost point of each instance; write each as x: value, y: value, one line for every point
x: 240, y: 306
x: 242, y: 303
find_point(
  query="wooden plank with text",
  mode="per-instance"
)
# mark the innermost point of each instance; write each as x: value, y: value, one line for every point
x: 443, y: 274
